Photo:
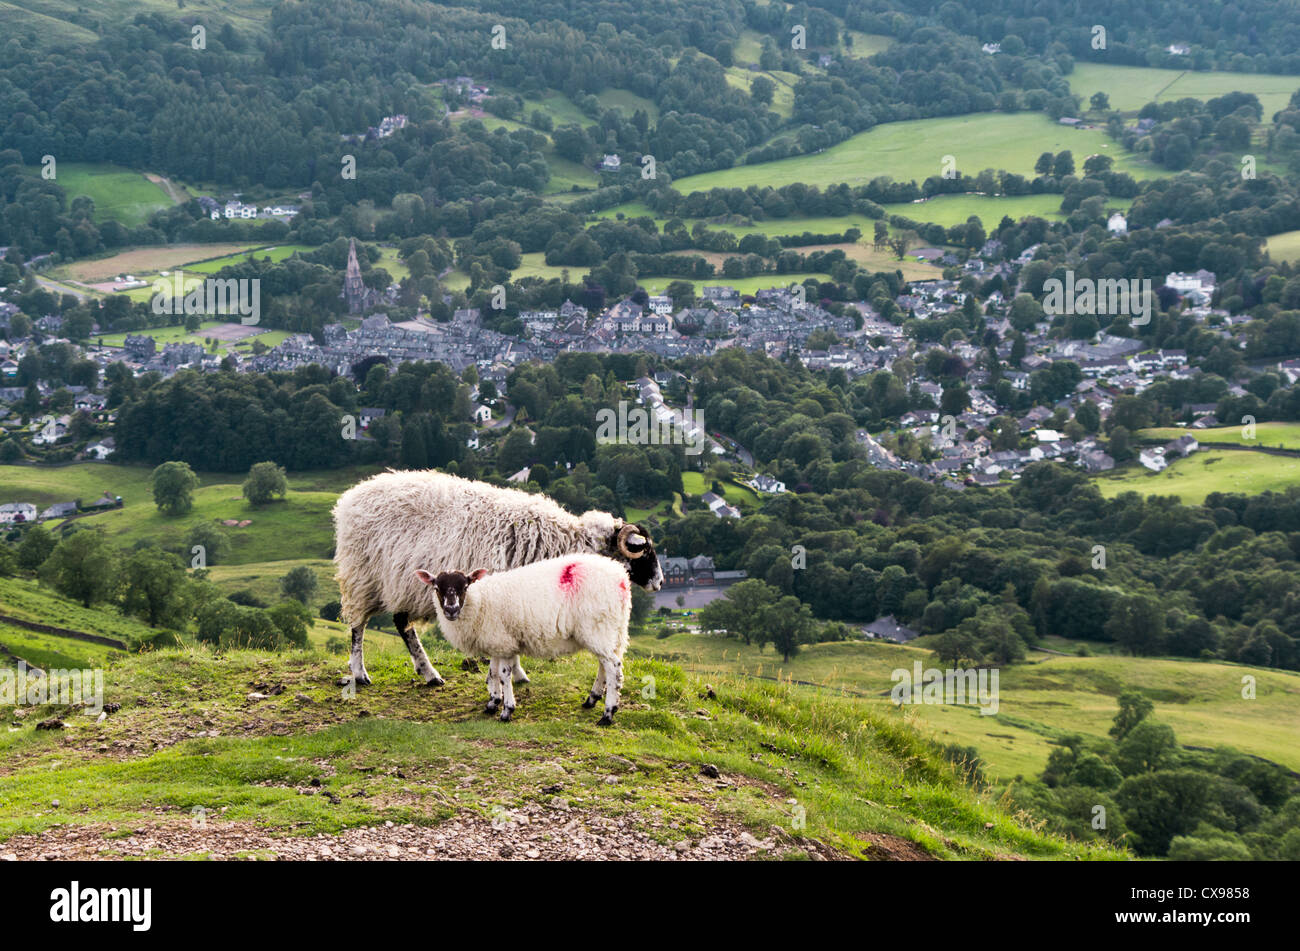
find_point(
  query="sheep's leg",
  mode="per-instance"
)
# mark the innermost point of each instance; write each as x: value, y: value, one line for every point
x: 418, y: 657
x: 517, y: 671
x: 504, y: 665
x: 494, y: 701
x: 597, y: 688
x: 613, y: 670
x: 357, y: 662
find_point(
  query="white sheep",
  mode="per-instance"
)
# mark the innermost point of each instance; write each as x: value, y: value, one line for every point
x: 443, y: 522
x: 546, y: 609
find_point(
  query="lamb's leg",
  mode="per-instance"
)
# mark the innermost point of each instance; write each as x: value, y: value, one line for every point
x: 597, y: 688
x: 504, y: 665
x: 517, y: 671
x: 613, y: 670
x: 418, y: 657
x: 357, y: 662
x: 494, y: 701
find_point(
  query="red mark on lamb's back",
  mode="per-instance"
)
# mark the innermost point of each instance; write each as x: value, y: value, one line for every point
x: 622, y: 586
x: 569, y: 577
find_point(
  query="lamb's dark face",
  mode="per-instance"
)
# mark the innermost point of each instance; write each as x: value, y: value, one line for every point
x: 633, y: 547
x: 450, y: 588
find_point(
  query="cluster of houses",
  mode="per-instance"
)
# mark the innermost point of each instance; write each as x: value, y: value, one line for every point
x: 20, y: 513
x: 234, y: 208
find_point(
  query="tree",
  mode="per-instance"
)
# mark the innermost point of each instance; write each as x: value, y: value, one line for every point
x: 214, y: 542
x: 1100, y: 102
x: 82, y: 566
x: 1133, y: 709
x: 1149, y: 746
x: 1137, y: 623
x: 739, y: 613
x: 173, y: 487
x: 153, y: 582
x: 787, y: 624
x: 265, y: 481
x: 761, y: 90
x: 291, y: 619
x: 35, y: 547
x: 300, y: 584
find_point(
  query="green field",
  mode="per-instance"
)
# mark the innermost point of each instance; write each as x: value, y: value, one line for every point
x: 913, y: 151
x: 166, y: 335
x: 271, y: 253
x: 736, y: 494
x: 1129, y: 88
x: 1270, y: 435
x: 1201, y: 473
x: 60, y: 22
x: 949, y: 210
x: 118, y: 193
x: 298, y: 527
x: 1039, y: 700
x: 1284, y: 246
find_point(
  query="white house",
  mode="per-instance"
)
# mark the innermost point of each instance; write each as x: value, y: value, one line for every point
x: 482, y: 414
x: 766, y: 483
x: 1117, y: 224
x: 1153, y: 459
x: 12, y: 512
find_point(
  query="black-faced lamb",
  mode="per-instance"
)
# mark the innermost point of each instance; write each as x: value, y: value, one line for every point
x: 394, y: 520
x: 546, y: 609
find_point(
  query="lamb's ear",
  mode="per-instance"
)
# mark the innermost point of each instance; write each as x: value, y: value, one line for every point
x: 424, y: 576
x: 476, y: 574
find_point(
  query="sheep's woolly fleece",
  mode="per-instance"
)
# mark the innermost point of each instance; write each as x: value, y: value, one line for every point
x: 396, y: 522
x: 545, y: 609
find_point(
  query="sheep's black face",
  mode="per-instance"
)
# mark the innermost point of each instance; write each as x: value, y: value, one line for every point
x: 450, y: 587
x: 633, y: 546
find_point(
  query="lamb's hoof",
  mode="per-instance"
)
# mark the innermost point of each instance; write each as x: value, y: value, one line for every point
x: 362, y: 681
x: 435, y: 682
x: 606, y: 720
x: 589, y: 702
x: 506, y: 714
x: 521, y: 679
x: 490, y: 709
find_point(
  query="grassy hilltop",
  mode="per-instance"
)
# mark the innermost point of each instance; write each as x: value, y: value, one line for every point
x: 276, y: 758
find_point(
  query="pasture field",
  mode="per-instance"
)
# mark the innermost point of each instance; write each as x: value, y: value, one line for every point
x: 147, y: 260
x: 178, y: 334
x: 1129, y: 88
x: 298, y: 527
x: 119, y: 194
x: 1271, y: 435
x: 279, y: 252
x: 1284, y: 246
x: 914, y: 150
x: 1042, y: 699
x: 1201, y: 473
x: 696, y: 484
x: 949, y: 210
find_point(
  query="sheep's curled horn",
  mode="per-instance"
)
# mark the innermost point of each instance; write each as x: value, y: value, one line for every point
x: 630, y: 533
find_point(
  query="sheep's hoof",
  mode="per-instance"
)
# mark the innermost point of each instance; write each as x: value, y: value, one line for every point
x: 491, y: 708
x: 605, y: 720
x: 590, y: 701
x: 362, y: 681
x: 522, y: 679
x: 506, y: 714
x: 435, y: 682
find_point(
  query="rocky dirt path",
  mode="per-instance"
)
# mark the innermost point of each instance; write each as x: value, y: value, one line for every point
x: 532, y: 832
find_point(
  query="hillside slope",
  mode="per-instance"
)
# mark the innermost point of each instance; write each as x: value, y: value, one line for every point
x: 266, y: 755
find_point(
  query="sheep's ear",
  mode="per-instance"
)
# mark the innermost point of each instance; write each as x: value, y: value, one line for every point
x: 476, y: 574
x: 424, y: 576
